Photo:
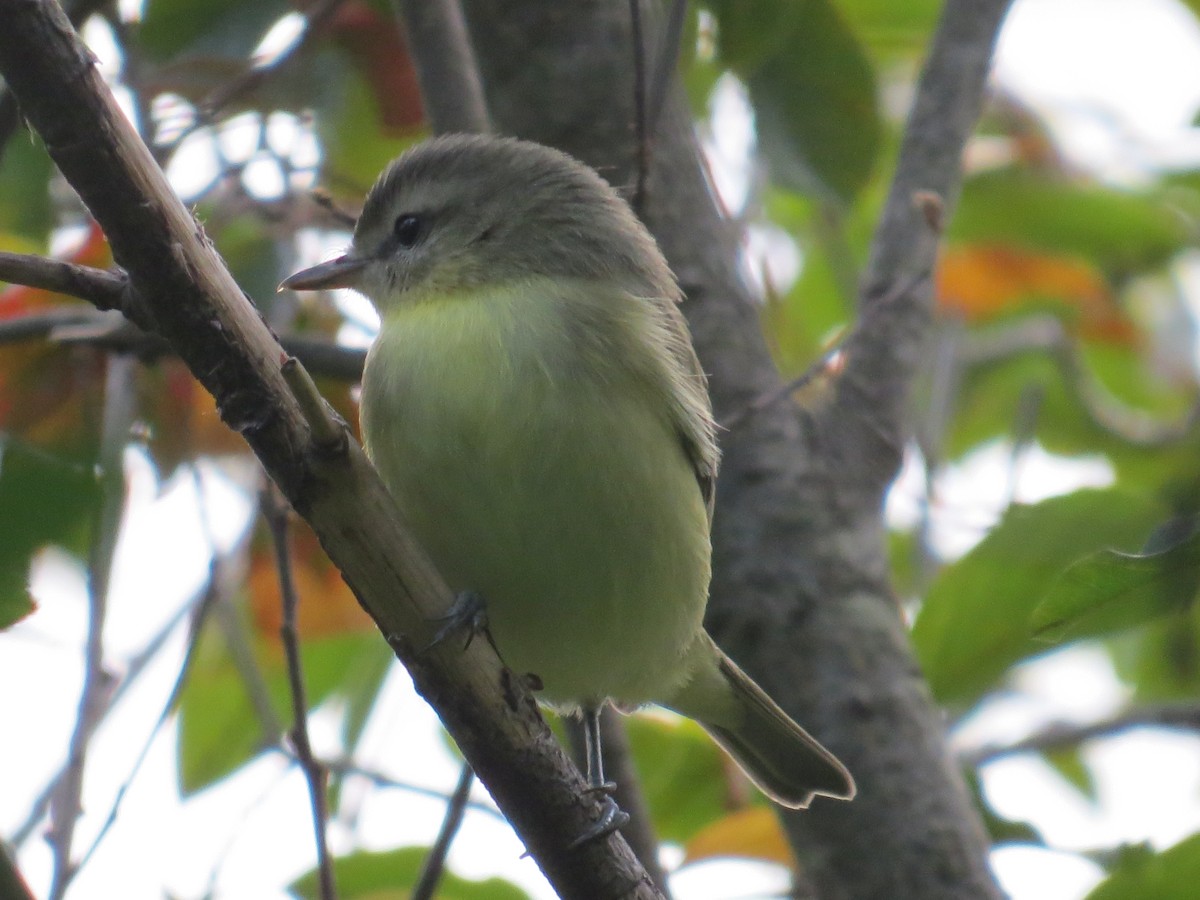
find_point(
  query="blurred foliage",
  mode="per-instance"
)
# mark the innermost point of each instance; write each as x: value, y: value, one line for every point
x: 1141, y: 874
x: 1035, y: 239
x: 392, y: 874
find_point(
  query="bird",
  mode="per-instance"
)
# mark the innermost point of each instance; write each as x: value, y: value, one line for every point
x: 536, y: 408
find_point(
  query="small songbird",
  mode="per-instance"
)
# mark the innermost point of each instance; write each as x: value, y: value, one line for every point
x: 536, y: 408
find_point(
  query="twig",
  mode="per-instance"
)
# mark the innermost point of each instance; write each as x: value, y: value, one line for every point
x: 826, y: 363
x: 110, y: 290
x: 102, y: 288
x: 345, y: 767
x: 664, y: 69
x: 1181, y: 716
x: 640, y: 128
x: 328, y: 430
x: 822, y: 366
x: 1024, y: 431
x: 208, y: 599
x: 135, y: 666
x: 118, y: 416
x: 276, y: 514
x: 314, y: 19
x: 1046, y: 334
x: 435, y: 862
x: 451, y: 88
x: 250, y: 79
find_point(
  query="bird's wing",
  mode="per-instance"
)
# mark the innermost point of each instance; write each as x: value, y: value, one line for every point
x: 689, y: 403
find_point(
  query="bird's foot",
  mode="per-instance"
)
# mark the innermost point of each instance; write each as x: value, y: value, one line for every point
x: 612, y: 817
x: 467, y: 613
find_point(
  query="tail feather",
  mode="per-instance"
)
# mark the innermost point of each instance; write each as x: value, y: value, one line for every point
x: 787, y: 763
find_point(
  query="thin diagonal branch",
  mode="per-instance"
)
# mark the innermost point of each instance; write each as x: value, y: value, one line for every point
x: 1046, y: 334
x: 435, y: 862
x: 276, y: 515
x: 641, y: 128
x: 253, y: 76
x: 349, y: 767
x: 208, y: 599
x: 119, y: 411
x: 869, y: 416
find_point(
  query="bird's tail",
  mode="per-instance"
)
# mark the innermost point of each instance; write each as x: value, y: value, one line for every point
x: 787, y: 763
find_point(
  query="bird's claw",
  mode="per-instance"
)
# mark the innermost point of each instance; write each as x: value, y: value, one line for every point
x: 467, y: 613
x: 612, y: 817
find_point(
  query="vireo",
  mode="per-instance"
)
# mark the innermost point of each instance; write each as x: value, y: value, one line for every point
x: 536, y: 408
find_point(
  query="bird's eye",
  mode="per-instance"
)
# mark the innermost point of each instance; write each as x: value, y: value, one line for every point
x: 407, y: 229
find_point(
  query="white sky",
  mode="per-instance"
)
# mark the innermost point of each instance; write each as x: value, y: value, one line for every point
x: 1120, y: 81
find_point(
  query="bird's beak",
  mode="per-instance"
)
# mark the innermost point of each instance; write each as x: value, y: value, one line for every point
x: 342, y: 272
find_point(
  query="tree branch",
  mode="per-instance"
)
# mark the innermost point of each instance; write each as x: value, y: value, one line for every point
x: 276, y: 513
x: 869, y: 416
x: 435, y: 862
x: 446, y: 70
x: 110, y: 291
x: 197, y: 305
x: 1062, y: 735
x: 1046, y: 334
x: 95, y: 697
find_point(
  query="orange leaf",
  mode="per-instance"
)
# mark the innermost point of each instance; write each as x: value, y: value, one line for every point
x: 377, y: 48
x: 182, y: 417
x: 46, y: 392
x: 326, y: 605
x: 752, y: 833
x: 981, y: 282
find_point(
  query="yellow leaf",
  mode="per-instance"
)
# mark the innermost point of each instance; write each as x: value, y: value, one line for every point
x: 981, y: 282
x: 752, y: 833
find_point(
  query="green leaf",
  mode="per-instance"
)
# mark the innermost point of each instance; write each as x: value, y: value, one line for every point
x: 1172, y: 874
x: 1120, y: 232
x: 44, y: 499
x: 974, y: 623
x: 892, y: 28
x: 991, y: 396
x: 1068, y: 762
x: 210, y: 28
x: 812, y: 89
x: 356, y: 148
x: 1162, y: 660
x: 1110, y: 591
x: 682, y: 774
x: 221, y: 728
x: 25, y: 171
x: 391, y: 874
